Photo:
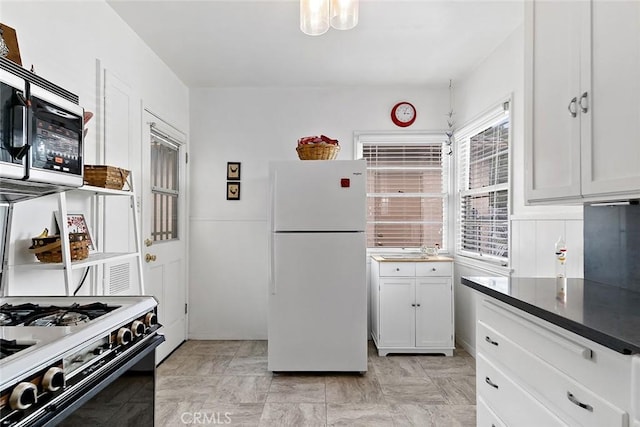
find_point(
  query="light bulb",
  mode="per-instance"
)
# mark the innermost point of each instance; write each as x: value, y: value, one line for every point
x: 314, y: 17
x: 344, y: 14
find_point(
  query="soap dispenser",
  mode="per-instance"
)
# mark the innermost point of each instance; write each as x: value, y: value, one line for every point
x: 561, y: 269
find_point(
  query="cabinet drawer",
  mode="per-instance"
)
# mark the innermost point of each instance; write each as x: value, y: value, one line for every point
x: 433, y: 268
x: 397, y: 269
x: 485, y: 417
x: 513, y: 404
x: 563, y: 394
x: 598, y: 368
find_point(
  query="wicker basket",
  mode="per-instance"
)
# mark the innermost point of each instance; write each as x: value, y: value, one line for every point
x: 105, y: 176
x: 49, y: 249
x: 317, y: 151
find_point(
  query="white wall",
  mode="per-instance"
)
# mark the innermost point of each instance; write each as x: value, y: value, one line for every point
x: 63, y: 40
x: 534, y: 229
x: 228, y: 239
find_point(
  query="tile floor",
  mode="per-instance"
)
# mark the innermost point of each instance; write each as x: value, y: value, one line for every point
x: 227, y: 382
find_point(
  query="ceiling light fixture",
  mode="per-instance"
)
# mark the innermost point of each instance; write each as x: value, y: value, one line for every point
x: 316, y: 16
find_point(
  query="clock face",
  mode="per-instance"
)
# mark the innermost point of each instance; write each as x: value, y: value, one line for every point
x: 403, y: 114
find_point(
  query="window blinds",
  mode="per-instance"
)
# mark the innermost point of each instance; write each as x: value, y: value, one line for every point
x: 483, y: 186
x: 406, y: 194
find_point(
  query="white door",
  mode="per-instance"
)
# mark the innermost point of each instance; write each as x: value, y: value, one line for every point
x: 318, y: 302
x: 611, y: 117
x: 317, y: 195
x: 552, y: 67
x: 115, y: 228
x: 397, y: 312
x: 434, y: 314
x: 164, y: 227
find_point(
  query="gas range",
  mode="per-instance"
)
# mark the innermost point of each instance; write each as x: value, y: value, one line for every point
x: 58, y: 352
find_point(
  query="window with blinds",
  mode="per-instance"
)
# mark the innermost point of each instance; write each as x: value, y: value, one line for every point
x: 483, y: 186
x: 407, y: 187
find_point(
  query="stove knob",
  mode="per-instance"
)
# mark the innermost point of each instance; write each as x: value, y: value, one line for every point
x: 23, y: 395
x: 137, y: 328
x: 53, y: 379
x: 124, y: 336
x: 151, y: 319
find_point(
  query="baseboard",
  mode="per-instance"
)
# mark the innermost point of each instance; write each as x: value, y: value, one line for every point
x: 467, y: 347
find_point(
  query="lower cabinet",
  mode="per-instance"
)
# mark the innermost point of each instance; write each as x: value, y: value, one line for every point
x: 411, y: 313
x: 530, y: 372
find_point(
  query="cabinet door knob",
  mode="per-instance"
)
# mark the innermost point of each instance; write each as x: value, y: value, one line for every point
x: 417, y: 305
x: 149, y: 258
x: 413, y: 305
x: 584, y: 102
x: 397, y: 269
x: 572, y: 107
x: 433, y: 269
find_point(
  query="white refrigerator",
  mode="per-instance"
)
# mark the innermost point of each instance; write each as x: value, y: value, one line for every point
x: 317, y: 292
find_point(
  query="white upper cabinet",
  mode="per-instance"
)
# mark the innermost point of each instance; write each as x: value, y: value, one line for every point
x: 611, y: 147
x: 582, y: 90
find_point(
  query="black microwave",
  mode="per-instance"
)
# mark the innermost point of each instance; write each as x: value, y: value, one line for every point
x: 41, y: 130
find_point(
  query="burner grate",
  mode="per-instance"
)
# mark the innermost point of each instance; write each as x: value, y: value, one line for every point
x: 11, y: 347
x: 36, y: 315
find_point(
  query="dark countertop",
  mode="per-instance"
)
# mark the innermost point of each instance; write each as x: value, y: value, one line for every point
x: 601, y: 313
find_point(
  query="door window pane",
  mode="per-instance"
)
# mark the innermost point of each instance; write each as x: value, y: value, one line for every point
x: 164, y: 187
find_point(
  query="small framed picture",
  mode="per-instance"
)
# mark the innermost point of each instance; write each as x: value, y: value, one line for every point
x: 76, y: 223
x: 233, y: 171
x: 233, y: 191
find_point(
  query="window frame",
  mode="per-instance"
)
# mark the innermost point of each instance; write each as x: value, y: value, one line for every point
x: 489, y: 118
x: 170, y: 142
x: 361, y: 138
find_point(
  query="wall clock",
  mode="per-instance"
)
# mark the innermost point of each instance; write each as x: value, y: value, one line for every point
x: 403, y: 114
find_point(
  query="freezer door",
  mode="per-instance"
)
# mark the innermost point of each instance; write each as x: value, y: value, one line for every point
x: 318, y: 303
x: 318, y: 195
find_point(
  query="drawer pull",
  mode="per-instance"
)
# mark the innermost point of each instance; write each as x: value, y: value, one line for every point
x: 397, y: 269
x: 433, y: 269
x: 490, y: 341
x: 575, y: 401
x: 570, y: 346
x: 491, y: 383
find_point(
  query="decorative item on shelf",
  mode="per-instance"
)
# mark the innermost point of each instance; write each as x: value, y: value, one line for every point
x: 9, y: 44
x: 48, y: 249
x: 77, y: 224
x: 106, y: 176
x: 317, y: 148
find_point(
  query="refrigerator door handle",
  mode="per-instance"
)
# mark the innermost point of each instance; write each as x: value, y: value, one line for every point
x: 272, y: 192
x: 272, y: 266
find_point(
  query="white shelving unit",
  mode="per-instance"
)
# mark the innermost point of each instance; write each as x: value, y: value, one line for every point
x: 94, y: 259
